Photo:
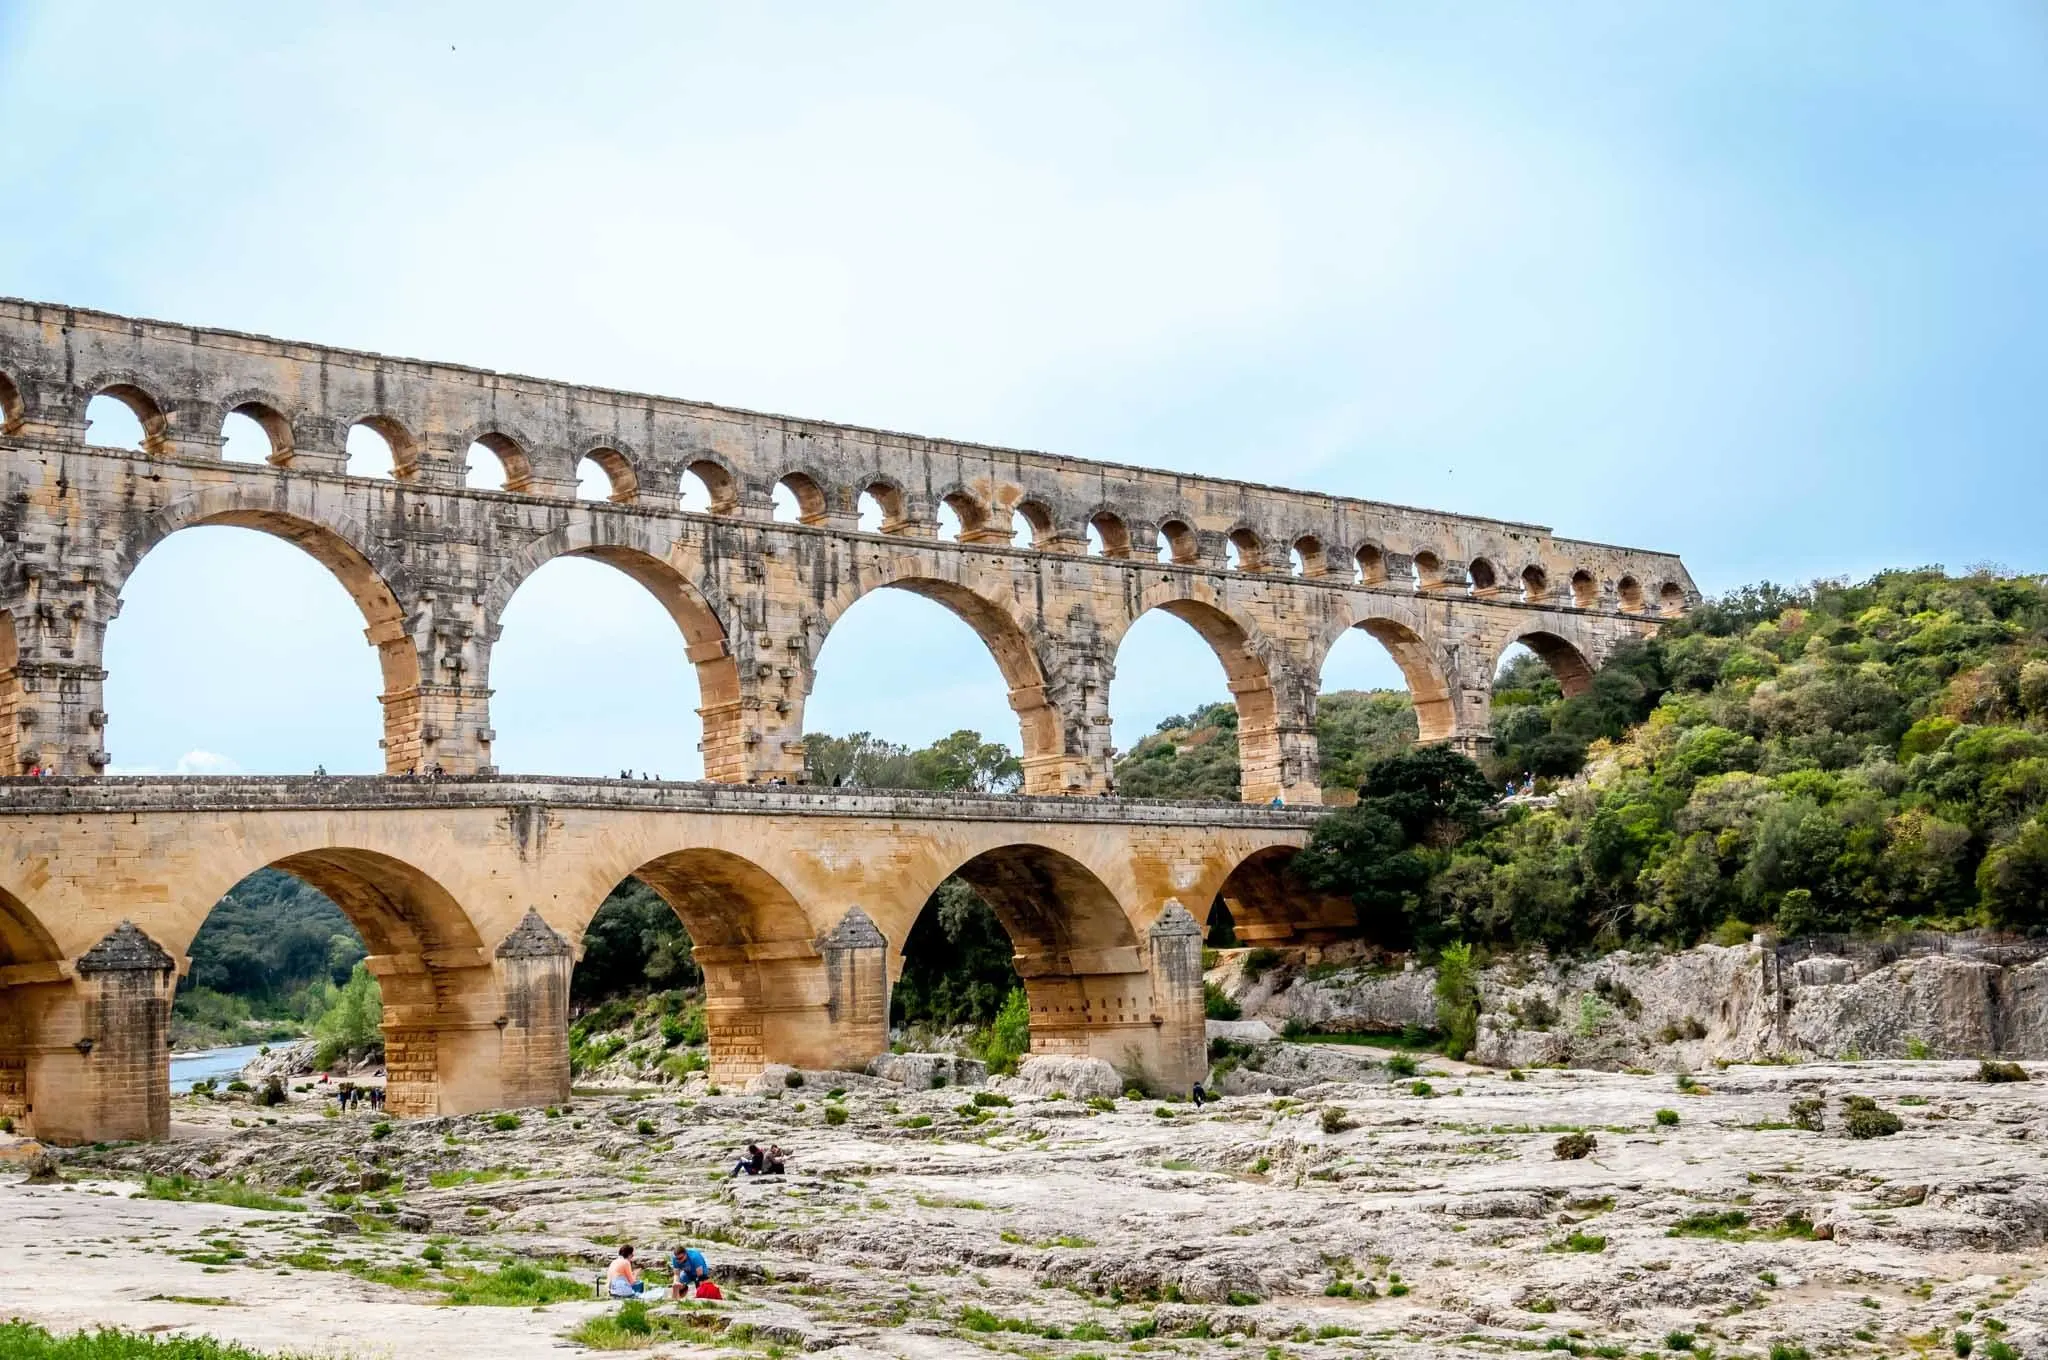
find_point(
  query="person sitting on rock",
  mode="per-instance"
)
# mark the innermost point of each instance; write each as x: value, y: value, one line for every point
x: 753, y: 1163
x: 622, y: 1280
x: 775, y: 1157
x: 688, y: 1269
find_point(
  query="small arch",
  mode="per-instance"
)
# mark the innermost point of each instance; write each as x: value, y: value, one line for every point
x: 1573, y: 671
x: 1108, y: 535
x: 1585, y: 590
x: 1244, y: 551
x: 1429, y: 570
x: 1031, y: 525
x: 1630, y: 592
x: 380, y: 447
x: 799, y: 499
x: 881, y: 506
x: 969, y: 518
x: 1671, y: 599
x: 13, y: 410
x: 707, y: 487
x: 1306, y: 556
x: 22, y: 937
x: 1485, y: 580
x: 1178, y: 543
x: 605, y: 474
x: 261, y: 423
x: 155, y: 426
x: 1372, y: 565
x: 496, y: 463
x: 1535, y: 584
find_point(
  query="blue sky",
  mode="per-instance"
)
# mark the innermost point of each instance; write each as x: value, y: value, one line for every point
x: 1761, y: 283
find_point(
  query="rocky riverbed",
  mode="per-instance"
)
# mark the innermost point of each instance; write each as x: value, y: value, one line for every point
x: 1368, y: 1212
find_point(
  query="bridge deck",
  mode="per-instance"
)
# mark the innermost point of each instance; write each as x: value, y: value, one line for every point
x: 215, y: 793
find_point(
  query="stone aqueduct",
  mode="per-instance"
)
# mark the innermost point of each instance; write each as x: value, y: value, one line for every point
x: 473, y: 892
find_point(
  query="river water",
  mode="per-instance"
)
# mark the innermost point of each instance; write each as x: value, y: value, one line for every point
x: 202, y: 1063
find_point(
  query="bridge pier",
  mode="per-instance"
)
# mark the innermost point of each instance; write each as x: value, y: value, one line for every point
x: 1140, y: 1011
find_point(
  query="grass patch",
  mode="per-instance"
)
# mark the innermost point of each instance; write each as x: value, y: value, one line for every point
x: 25, y: 1341
x: 1723, y: 1223
x: 633, y: 1326
x: 238, y: 1193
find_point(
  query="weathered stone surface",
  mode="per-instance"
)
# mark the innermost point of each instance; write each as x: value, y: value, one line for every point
x: 924, y: 1071
x: 1080, y: 1078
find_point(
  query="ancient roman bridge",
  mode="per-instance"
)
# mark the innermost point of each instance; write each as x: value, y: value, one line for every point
x: 473, y: 891
x: 473, y: 895
x: 1270, y: 578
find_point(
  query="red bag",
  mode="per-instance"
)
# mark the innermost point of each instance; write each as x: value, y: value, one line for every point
x: 707, y: 1290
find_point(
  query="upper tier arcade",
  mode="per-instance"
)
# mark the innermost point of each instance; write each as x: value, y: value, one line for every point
x: 1270, y: 578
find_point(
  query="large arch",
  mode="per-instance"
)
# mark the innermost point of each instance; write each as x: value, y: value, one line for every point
x: 1268, y: 905
x: 1040, y: 727
x: 1573, y: 671
x: 1243, y: 653
x: 759, y: 956
x: 697, y: 617
x: 28, y: 956
x: 1428, y: 683
x: 339, y: 544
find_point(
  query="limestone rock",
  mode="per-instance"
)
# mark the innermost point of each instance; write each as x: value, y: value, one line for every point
x: 922, y: 1071
x: 1080, y: 1078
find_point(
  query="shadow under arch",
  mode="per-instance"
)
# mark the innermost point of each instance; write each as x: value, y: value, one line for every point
x: 696, y: 617
x: 24, y: 943
x: 339, y: 544
x: 1573, y: 671
x: 1085, y: 970
x: 1269, y: 905
x: 1040, y: 726
x: 1242, y: 651
x: 757, y: 949
x: 1428, y: 688
x: 22, y: 937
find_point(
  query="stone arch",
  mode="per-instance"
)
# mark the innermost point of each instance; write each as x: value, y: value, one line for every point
x: 1314, y: 560
x: 618, y: 471
x: 1268, y: 905
x: 1429, y: 570
x: 719, y: 480
x: 269, y: 417
x: 429, y: 962
x: 748, y: 934
x: 698, y: 616
x: 1630, y: 592
x: 153, y: 413
x: 889, y: 499
x: 13, y: 409
x: 1008, y: 639
x: 1372, y: 564
x: 405, y: 449
x: 23, y: 939
x: 344, y: 548
x: 1251, y: 549
x: 1485, y: 580
x: 1535, y: 584
x: 1671, y: 599
x: 1424, y: 671
x: 1183, y: 545
x: 1083, y: 964
x: 813, y: 505
x: 973, y: 513
x: 1244, y: 654
x: 1573, y: 671
x: 1113, y: 531
x: 10, y: 697
x: 512, y: 458
x: 24, y: 944
x: 1585, y: 590
x: 1037, y: 515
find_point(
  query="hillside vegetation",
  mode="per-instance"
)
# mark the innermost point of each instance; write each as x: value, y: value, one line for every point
x: 1838, y: 758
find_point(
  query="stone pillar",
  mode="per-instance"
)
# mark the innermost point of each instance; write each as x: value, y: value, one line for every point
x: 856, y: 956
x: 117, y: 1087
x: 1181, y: 1049
x: 412, y: 1049
x: 533, y: 965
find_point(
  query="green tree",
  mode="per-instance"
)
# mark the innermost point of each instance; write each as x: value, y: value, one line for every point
x: 1457, y: 998
x: 353, y: 1024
